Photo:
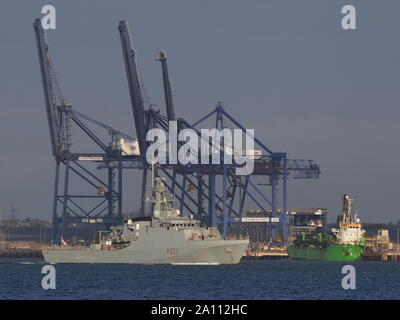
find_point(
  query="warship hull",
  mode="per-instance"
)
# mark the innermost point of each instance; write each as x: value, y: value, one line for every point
x: 333, y: 252
x: 211, y: 252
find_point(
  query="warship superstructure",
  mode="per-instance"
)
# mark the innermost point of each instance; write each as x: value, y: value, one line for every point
x: 164, y: 238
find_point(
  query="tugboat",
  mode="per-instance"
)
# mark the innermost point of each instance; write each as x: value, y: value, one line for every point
x: 165, y: 238
x: 343, y: 244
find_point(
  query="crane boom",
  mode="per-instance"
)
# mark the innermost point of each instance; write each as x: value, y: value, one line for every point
x: 134, y: 85
x: 48, y: 86
x: 162, y: 57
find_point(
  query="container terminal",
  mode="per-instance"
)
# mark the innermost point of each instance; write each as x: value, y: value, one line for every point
x: 255, y: 205
x: 211, y: 193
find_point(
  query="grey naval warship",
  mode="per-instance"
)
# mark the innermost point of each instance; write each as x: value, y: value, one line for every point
x: 164, y: 238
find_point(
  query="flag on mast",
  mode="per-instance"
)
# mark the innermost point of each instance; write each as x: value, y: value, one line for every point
x: 63, y: 241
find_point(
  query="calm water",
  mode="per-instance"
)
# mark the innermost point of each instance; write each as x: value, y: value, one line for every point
x: 21, y: 279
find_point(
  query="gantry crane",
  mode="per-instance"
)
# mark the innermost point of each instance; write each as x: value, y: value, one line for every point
x: 105, y: 195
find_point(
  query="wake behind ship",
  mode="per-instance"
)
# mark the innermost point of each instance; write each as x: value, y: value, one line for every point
x: 164, y: 238
x: 344, y: 244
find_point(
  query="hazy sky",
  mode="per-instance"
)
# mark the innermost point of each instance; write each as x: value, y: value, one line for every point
x: 285, y: 68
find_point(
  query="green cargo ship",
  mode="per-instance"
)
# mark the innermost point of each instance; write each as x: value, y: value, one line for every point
x: 343, y: 244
